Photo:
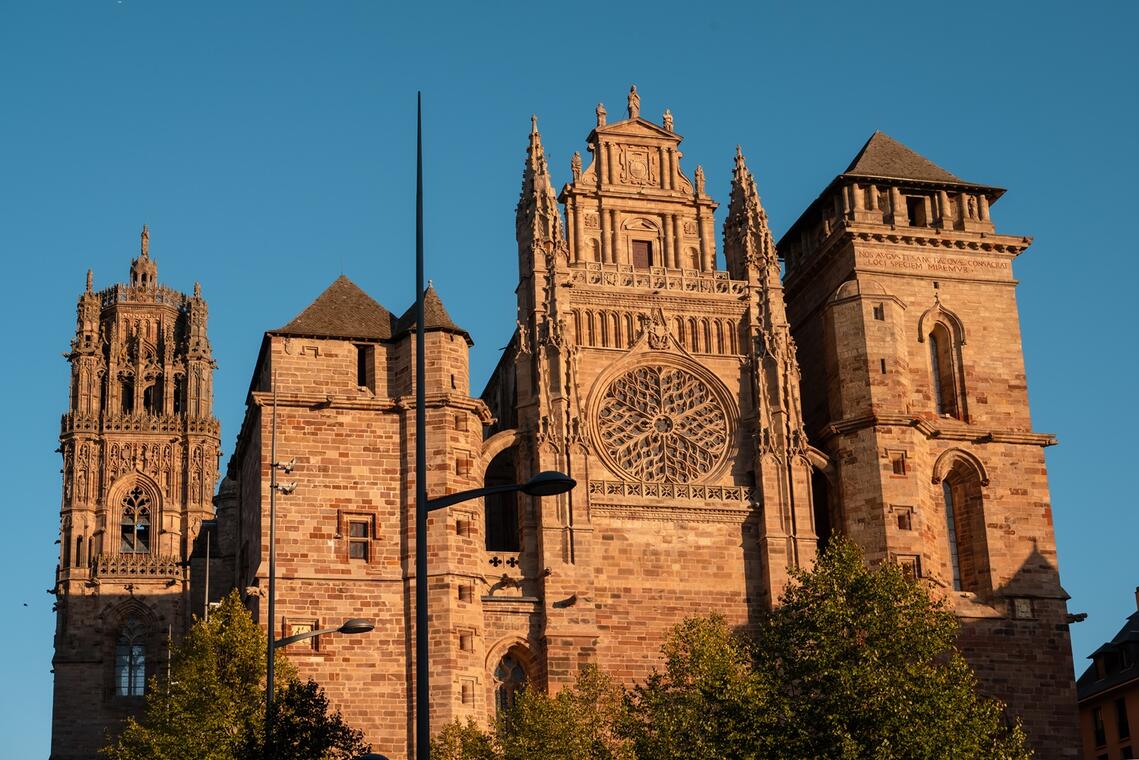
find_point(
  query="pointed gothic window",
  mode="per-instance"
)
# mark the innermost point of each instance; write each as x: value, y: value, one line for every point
x: 509, y: 679
x: 130, y: 660
x: 152, y: 397
x: 135, y: 523
x: 127, y: 390
x: 502, y: 526
x: 943, y: 372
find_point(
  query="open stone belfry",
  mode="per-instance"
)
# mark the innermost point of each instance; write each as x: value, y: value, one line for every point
x: 863, y: 377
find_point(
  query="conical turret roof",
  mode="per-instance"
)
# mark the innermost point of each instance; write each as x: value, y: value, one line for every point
x: 435, y: 317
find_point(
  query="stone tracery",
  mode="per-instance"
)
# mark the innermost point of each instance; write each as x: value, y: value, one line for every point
x: 662, y: 424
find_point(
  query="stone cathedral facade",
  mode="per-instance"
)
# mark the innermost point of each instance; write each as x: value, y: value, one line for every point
x: 722, y: 425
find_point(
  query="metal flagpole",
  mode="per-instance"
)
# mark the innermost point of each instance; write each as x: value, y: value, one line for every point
x: 422, y: 717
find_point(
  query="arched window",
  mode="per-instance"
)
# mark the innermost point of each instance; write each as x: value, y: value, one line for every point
x: 509, y: 679
x: 152, y: 397
x: 967, y: 544
x: 179, y: 394
x: 130, y: 660
x: 944, y: 372
x: 126, y: 389
x: 502, y: 527
x: 820, y: 503
x: 135, y: 523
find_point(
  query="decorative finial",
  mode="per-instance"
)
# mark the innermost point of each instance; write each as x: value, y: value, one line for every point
x: 533, y: 124
x: 601, y: 114
x: 668, y: 120
x: 575, y: 165
x: 699, y: 180
x: 145, y: 242
x: 634, y: 103
x: 90, y: 280
x: 197, y: 290
x: 430, y: 284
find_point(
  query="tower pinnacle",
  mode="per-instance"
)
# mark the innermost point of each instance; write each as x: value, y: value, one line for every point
x: 747, y: 238
x: 144, y: 271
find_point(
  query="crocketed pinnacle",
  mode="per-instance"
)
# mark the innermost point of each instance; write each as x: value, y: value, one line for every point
x: 747, y: 236
x: 537, y: 217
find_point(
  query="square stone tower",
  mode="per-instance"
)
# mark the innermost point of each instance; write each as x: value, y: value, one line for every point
x: 140, y: 454
x: 902, y: 300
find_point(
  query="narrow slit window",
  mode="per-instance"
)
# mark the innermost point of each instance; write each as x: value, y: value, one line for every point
x: 366, y: 367
x: 951, y: 531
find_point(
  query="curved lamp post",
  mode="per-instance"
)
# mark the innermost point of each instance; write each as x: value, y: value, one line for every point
x: 548, y: 483
x: 354, y: 625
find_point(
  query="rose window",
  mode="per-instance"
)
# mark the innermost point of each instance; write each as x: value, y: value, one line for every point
x: 662, y: 424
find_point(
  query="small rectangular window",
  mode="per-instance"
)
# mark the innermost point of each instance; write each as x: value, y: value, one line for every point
x: 358, y: 535
x: 1121, y: 720
x: 467, y: 692
x: 882, y: 364
x: 366, y: 367
x: 905, y: 517
x: 898, y: 462
x: 915, y: 211
x: 466, y: 593
x: 642, y: 251
x: 880, y: 312
x: 910, y: 564
x: 1097, y: 726
x: 467, y: 641
x: 1126, y: 753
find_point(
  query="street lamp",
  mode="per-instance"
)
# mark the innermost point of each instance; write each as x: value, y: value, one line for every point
x: 354, y: 625
x: 547, y: 483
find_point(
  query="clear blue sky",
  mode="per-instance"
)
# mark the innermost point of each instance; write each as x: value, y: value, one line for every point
x: 269, y: 146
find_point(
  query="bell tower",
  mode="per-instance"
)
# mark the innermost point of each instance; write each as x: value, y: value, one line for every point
x: 139, y: 446
x: 901, y: 295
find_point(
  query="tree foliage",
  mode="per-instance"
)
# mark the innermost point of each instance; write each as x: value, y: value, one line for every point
x: 855, y: 662
x: 861, y: 664
x: 212, y: 705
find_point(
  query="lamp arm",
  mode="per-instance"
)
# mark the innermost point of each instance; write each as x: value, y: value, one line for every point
x: 301, y: 637
x: 474, y: 493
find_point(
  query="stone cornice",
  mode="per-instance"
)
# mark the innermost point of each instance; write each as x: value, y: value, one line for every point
x: 945, y: 429
x: 372, y: 404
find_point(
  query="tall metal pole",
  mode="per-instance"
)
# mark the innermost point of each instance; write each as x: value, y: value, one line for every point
x: 422, y: 703
x: 270, y: 627
x: 207, y: 600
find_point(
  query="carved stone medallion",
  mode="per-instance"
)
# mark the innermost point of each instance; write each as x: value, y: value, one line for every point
x: 662, y: 424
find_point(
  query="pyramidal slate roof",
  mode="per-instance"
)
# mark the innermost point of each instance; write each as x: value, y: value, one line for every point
x: 435, y: 317
x: 883, y: 156
x: 343, y: 310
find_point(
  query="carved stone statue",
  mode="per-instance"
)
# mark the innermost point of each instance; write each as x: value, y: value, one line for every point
x: 634, y: 103
x: 90, y: 280
x: 145, y: 241
x: 575, y: 165
x: 668, y: 120
x: 699, y: 180
x: 601, y: 114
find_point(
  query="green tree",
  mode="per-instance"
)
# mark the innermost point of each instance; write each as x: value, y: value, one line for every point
x: 212, y: 706
x: 709, y: 702
x: 303, y: 729
x: 463, y: 741
x: 581, y: 721
x: 861, y: 664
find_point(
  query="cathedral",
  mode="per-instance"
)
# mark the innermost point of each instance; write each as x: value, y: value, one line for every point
x: 863, y: 376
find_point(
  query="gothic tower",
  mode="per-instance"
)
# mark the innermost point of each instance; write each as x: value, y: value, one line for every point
x: 901, y: 296
x: 667, y: 388
x: 140, y: 448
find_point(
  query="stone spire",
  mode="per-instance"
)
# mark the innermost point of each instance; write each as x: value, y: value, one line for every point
x: 538, y: 222
x: 144, y: 272
x: 748, y: 243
